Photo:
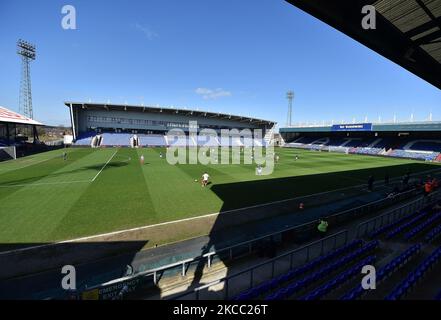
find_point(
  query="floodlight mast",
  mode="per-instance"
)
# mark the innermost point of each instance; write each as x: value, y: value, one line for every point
x: 27, y: 52
x: 289, y: 96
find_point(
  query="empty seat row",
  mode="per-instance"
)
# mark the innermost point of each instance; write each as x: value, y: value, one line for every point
x: 419, y: 228
x: 365, y: 150
x: 116, y: 139
x: 296, y: 286
x: 433, y: 234
x: 85, y: 139
x: 391, y: 225
x: 406, y: 225
x: 386, y: 271
x: 152, y: 140
x: 412, y: 278
x: 301, y: 270
x: 428, y: 156
x: 339, y: 280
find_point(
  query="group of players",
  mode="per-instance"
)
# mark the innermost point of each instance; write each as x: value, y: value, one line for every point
x: 205, y: 176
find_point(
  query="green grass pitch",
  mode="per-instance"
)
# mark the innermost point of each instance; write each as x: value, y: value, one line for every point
x: 45, y: 198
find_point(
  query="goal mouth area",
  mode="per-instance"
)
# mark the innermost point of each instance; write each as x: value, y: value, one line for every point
x: 8, y: 153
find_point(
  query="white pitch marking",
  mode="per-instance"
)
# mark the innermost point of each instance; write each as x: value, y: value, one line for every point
x: 110, y: 159
x: 175, y: 221
x: 192, y: 218
x: 42, y: 183
x: 30, y: 164
x: 57, y: 182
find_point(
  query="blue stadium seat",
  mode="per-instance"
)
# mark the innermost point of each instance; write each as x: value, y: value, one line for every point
x: 386, y: 271
x: 413, y: 277
x: 301, y: 270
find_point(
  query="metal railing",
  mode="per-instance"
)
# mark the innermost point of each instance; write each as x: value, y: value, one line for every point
x: 371, y: 225
x: 268, y: 269
x: 299, y: 233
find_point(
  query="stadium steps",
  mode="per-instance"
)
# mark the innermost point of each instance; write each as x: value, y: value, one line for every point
x: 269, y: 136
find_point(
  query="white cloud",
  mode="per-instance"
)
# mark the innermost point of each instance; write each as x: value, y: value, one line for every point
x: 148, y: 33
x: 208, y: 94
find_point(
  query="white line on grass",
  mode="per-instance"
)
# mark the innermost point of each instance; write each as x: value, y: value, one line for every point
x: 57, y: 182
x: 175, y: 221
x: 194, y: 218
x: 42, y: 183
x: 30, y: 164
x: 110, y: 159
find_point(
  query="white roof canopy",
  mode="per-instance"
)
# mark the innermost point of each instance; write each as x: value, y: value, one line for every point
x: 7, y: 115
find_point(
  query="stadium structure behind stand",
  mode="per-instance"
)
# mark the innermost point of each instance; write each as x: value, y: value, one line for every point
x: 412, y: 140
x: 98, y: 124
x: 18, y: 134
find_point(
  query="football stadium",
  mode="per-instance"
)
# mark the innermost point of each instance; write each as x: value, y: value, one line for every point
x: 152, y: 202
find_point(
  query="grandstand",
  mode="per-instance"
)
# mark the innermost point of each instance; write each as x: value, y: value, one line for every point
x: 117, y: 124
x: 411, y: 140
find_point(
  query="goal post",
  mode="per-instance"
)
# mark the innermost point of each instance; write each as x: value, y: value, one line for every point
x: 7, y: 153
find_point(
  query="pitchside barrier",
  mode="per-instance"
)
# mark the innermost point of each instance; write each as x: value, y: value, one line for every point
x: 293, y: 235
x: 7, y: 153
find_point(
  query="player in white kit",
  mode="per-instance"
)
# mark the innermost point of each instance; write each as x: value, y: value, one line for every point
x: 205, y: 178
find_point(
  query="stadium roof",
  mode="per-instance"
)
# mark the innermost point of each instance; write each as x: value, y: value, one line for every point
x: 7, y: 115
x: 158, y: 109
x: 407, y: 32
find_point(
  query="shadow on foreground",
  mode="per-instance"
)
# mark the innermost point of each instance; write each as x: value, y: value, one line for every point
x: 35, y: 273
x: 250, y: 193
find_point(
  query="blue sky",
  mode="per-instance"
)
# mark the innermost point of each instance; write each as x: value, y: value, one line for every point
x: 229, y: 56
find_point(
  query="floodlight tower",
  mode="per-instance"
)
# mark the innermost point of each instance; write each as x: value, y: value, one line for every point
x: 289, y: 96
x: 27, y: 53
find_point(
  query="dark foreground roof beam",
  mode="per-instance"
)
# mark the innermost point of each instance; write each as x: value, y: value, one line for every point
x: 387, y: 39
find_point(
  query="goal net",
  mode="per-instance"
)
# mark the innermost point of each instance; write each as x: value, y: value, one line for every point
x: 7, y: 153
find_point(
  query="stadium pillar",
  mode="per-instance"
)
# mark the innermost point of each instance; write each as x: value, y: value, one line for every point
x: 7, y: 134
x: 35, y: 133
